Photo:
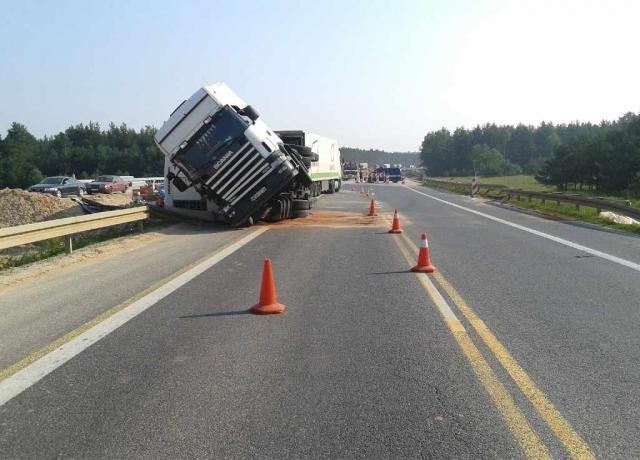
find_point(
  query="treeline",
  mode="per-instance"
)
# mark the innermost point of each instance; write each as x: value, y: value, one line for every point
x: 606, y: 158
x: 84, y: 150
x: 379, y: 156
x: 494, y: 150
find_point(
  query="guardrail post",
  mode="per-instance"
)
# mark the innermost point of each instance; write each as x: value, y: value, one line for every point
x: 529, y: 198
x: 577, y: 207
x: 543, y: 201
x: 141, y: 226
x: 598, y: 210
x: 68, y: 244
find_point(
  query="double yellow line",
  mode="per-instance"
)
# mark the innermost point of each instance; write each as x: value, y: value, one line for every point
x: 515, y: 419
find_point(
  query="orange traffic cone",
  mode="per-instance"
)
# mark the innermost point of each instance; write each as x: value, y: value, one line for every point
x: 372, y: 208
x: 268, y: 303
x: 395, y: 227
x: 424, y: 263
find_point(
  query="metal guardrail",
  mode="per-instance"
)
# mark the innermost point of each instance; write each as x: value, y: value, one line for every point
x: 578, y: 200
x: 621, y: 206
x: 30, y: 233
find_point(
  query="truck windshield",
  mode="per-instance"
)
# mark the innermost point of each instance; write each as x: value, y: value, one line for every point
x: 225, y: 128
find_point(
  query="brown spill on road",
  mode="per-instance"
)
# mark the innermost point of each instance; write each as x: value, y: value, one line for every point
x: 331, y: 219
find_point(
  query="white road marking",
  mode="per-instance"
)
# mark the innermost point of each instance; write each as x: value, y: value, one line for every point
x: 571, y: 244
x: 20, y: 381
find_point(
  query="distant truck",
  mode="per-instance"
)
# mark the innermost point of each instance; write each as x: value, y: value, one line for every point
x: 349, y: 170
x: 223, y: 163
x: 394, y: 175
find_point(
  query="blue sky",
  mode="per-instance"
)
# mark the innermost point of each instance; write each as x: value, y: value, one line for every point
x: 371, y: 74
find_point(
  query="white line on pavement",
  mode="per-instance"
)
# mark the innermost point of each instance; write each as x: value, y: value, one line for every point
x: 20, y: 381
x: 571, y: 244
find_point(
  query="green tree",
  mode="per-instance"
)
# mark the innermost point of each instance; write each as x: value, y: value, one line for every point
x: 488, y: 161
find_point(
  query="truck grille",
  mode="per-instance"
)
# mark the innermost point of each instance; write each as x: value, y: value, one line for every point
x: 236, y: 176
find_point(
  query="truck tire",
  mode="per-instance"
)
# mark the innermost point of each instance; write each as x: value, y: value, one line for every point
x: 303, y: 150
x: 287, y: 206
x: 299, y: 205
x: 299, y: 213
x: 275, y: 214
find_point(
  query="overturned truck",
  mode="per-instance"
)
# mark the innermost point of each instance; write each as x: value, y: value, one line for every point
x: 223, y: 163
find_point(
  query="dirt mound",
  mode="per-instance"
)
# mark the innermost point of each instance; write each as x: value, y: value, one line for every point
x: 110, y: 200
x: 19, y: 207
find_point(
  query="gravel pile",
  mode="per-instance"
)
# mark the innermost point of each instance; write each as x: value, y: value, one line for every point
x: 19, y: 207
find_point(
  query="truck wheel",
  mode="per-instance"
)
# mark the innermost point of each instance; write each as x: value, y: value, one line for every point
x: 303, y: 150
x: 246, y: 223
x: 275, y: 214
x: 287, y: 208
x: 298, y: 213
x: 301, y: 205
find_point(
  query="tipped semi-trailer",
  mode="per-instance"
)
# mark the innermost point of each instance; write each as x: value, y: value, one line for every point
x: 223, y: 163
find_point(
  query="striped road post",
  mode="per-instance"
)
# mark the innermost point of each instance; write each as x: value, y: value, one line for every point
x: 474, y: 186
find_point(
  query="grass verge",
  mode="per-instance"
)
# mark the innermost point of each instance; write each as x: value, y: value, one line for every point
x: 565, y: 210
x: 550, y: 208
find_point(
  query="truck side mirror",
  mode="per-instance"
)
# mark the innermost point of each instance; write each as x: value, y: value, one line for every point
x: 251, y: 113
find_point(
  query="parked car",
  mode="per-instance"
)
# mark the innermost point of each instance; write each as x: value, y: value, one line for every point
x: 59, y: 186
x: 108, y: 184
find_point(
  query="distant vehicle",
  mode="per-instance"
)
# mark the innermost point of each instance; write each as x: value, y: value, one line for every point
x: 108, y: 184
x: 59, y: 186
x: 349, y: 170
x: 392, y: 174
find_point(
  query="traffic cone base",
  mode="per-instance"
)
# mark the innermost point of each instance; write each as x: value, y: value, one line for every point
x: 271, y: 309
x: 423, y: 269
x: 268, y: 303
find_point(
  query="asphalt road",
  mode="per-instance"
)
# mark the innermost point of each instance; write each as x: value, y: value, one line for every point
x: 539, y: 356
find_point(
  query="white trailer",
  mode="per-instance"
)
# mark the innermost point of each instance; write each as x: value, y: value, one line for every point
x: 326, y: 164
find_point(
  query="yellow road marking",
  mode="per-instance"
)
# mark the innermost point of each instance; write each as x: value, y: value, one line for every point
x: 36, y: 355
x: 571, y: 440
x: 573, y: 443
x: 531, y: 444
